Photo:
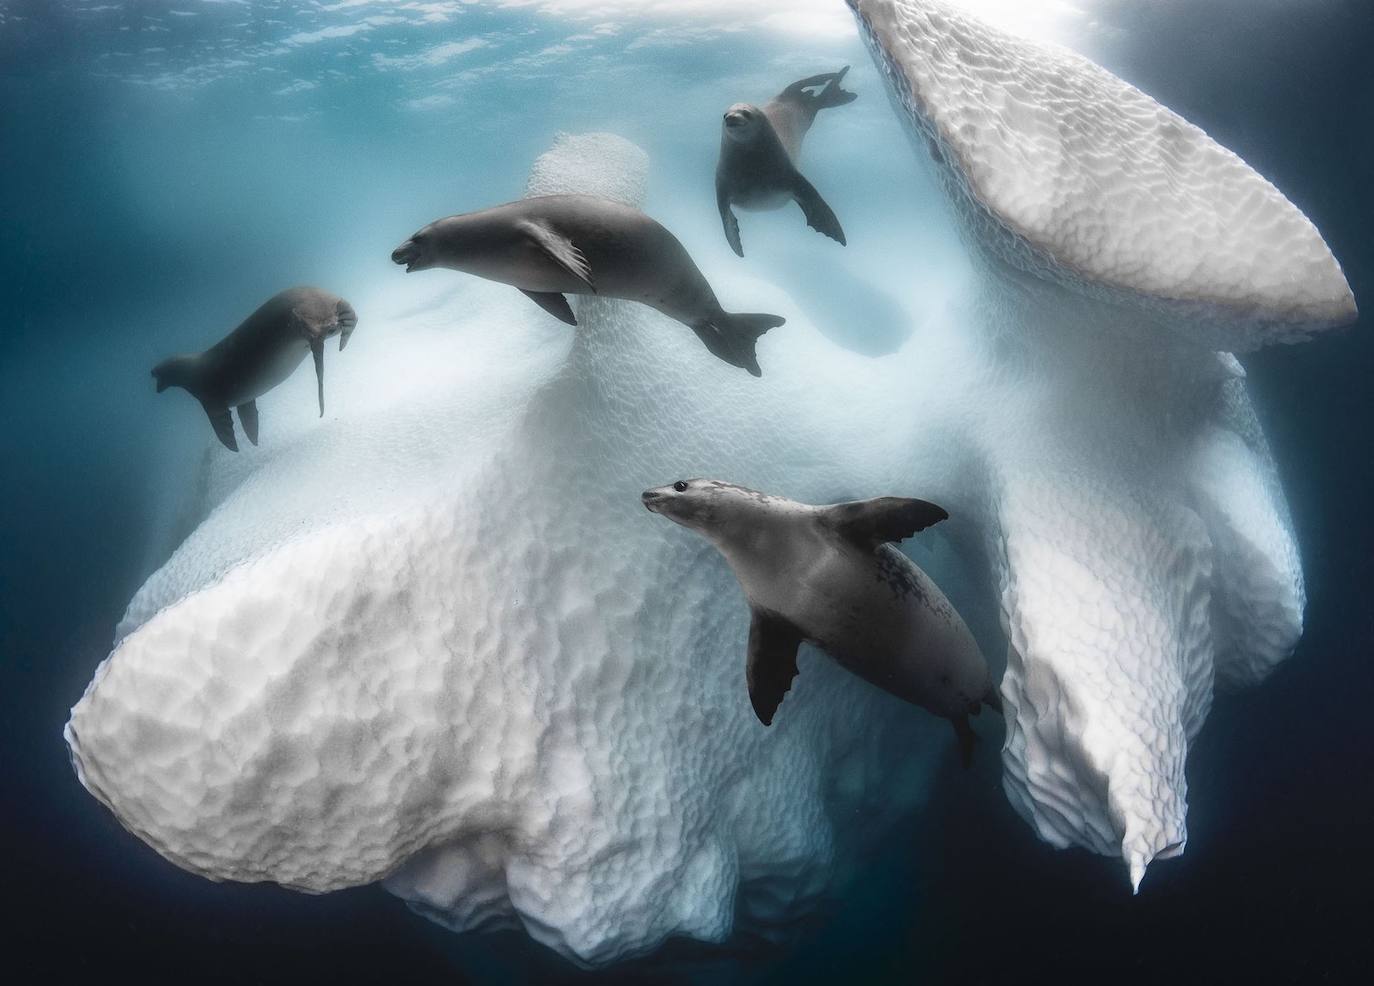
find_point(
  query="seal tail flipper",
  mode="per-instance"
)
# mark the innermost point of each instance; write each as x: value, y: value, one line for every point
x: 819, y: 216
x: 177, y: 371
x: 968, y: 740
x: 248, y: 417
x: 733, y: 336
x: 317, y: 350
x: 831, y: 95
x: 223, y: 425
x: 553, y: 303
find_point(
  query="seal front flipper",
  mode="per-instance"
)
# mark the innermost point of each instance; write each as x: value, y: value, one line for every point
x: 772, y: 662
x: 348, y: 321
x: 317, y: 350
x: 870, y: 523
x: 248, y: 417
x: 223, y: 425
x: 819, y: 216
x: 560, y: 250
x: 727, y: 218
x: 553, y: 303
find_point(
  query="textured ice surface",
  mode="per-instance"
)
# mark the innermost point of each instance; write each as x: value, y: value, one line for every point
x: 1073, y: 174
x: 1258, y: 585
x: 437, y: 640
x: 1136, y: 526
x: 433, y: 639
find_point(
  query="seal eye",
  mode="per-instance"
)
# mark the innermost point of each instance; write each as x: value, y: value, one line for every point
x: 680, y: 486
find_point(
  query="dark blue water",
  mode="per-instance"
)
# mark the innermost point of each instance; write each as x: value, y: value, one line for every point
x: 104, y: 260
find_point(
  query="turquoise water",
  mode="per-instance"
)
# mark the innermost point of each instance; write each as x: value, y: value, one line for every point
x: 167, y: 166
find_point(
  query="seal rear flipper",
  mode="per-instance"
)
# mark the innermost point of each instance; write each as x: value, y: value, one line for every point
x: 869, y: 523
x: 317, y: 350
x: 728, y: 220
x: 772, y: 662
x: 553, y: 303
x: 560, y: 250
x: 732, y: 337
x: 248, y: 417
x: 223, y: 425
x: 968, y: 740
x: 819, y: 216
x: 831, y: 95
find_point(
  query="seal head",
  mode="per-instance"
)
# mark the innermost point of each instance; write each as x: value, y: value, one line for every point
x: 743, y: 122
x: 417, y: 252
x: 682, y: 502
x: 715, y: 509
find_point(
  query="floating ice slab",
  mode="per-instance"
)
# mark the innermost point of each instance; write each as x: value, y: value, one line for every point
x: 1135, y: 523
x: 437, y: 641
x: 1074, y: 175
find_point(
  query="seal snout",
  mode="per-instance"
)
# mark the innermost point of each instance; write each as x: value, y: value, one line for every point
x: 737, y: 116
x: 652, y: 499
x: 406, y: 255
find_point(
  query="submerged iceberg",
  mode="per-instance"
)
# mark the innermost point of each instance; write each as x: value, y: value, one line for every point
x: 1136, y: 528
x: 438, y: 641
x: 434, y: 640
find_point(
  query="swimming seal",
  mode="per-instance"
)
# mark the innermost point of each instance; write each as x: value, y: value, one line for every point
x: 828, y: 575
x: 758, y: 155
x: 549, y: 246
x: 262, y: 352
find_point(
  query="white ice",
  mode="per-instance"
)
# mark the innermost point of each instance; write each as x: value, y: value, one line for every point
x: 1135, y: 523
x: 434, y: 640
x: 437, y: 640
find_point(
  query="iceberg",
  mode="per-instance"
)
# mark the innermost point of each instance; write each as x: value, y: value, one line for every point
x: 434, y: 640
x: 1135, y: 524
x: 437, y: 641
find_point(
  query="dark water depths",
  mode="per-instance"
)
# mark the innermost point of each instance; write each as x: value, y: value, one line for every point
x: 1274, y: 885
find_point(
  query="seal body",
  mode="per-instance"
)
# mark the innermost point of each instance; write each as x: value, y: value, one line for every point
x: 759, y: 148
x: 828, y: 575
x: 554, y: 245
x: 258, y: 355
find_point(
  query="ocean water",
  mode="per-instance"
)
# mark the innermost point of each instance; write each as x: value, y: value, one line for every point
x: 165, y: 166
